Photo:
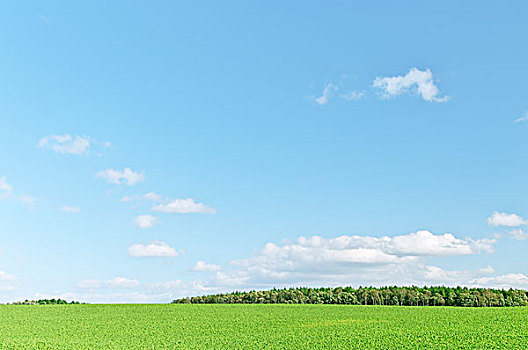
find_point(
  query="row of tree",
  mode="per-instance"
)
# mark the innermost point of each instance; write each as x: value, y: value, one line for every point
x: 401, y: 296
x: 44, y: 302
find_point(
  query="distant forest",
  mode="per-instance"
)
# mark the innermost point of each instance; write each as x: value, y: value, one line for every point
x: 44, y: 302
x: 401, y: 296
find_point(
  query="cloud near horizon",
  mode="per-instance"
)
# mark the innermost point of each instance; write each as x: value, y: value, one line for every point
x: 6, y: 277
x: 348, y: 260
x: 117, y: 282
x: 359, y: 259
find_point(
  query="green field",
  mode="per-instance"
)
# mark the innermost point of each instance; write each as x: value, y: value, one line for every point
x: 261, y: 327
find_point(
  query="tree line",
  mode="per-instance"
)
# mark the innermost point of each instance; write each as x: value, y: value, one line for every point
x: 401, y: 296
x: 44, y: 302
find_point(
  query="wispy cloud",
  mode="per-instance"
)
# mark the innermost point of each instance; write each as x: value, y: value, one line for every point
x: 183, y: 206
x: 154, y: 249
x: 117, y: 282
x: 352, y: 95
x: 519, y: 234
x: 127, y: 176
x: 145, y: 221
x: 5, y: 188
x: 326, y: 94
x: 66, y: 144
x: 6, y: 277
x: 150, y: 196
x: 69, y: 209
x: 6, y: 192
x: 45, y: 19
x: 29, y: 200
x: 507, y: 281
x: 79, y: 145
x: 202, y: 266
x: 416, y: 80
x: 523, y: 118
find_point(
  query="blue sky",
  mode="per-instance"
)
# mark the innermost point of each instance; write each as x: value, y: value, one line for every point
x: 151, y: 151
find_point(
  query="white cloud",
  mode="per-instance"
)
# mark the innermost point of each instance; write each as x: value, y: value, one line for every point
x: 152, y: 196
x: 180, y: 287
x: 235, y: 279
x: 145, y: 221
x: 434, y: 274
x: 327, y: 92
x: 416, y: 80
x: 183, y: 206
x: 29, y: 200
x: 424, y: 243
x: 6, y: 288
x: 523, y: 118
x: 99, y: 292
x: 158, y: 292
x: 154, y: 249
x: 510, y: 280
x: 117, y: 177
x: 519, y: 234
x: 117, y: 282
x: 6, y: 277
x: 5, y: 188
x: 316, y: 261
x: 353, y: 95
x: 127, y: 199
x: 6, y: 192
x: 69, y: 209
x: 202, y: 266
x: 221, y: 282
x: 504, y: 219
x: 351, y: 259
x: 66, y: 144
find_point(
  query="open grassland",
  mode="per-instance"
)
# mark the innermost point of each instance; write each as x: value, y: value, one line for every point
x: 261, y: 327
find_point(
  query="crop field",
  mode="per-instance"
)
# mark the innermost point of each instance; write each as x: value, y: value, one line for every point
x: 261, y: 327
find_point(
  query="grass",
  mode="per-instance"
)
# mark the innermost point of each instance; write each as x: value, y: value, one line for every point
x: 261, y: 327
